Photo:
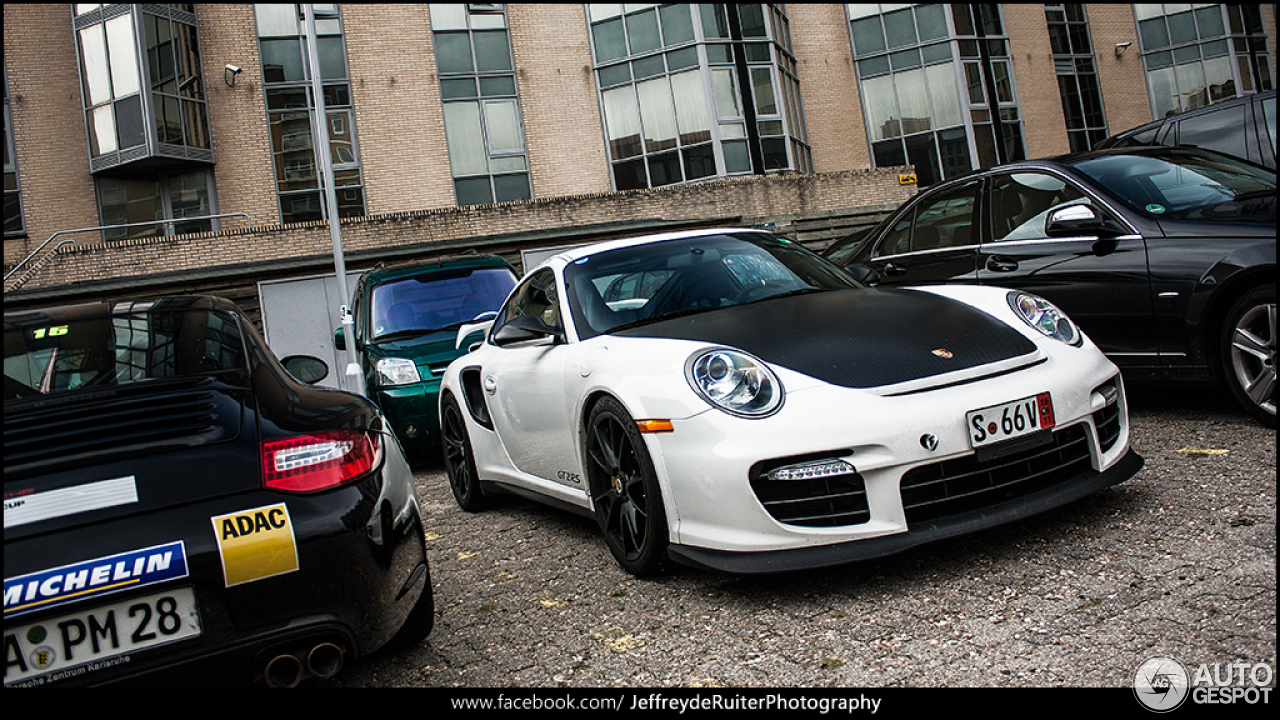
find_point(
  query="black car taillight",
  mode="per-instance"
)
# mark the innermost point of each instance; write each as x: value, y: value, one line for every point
x: 320, y: 461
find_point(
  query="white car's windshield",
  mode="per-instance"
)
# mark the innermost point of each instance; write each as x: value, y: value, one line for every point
x: 644, y: 283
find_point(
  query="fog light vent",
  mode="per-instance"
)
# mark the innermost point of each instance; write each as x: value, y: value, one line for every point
x: 813, y: 491
x: 812, y: 470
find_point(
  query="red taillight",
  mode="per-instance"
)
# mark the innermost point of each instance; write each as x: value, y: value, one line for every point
x: 309, y: 463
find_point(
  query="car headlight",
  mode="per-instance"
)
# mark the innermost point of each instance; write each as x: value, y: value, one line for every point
x: 734, y: 382
x: 1045, y: 317
x: 397, y: 371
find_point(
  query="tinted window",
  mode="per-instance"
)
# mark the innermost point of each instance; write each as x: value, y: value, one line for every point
x: 536, y: 297
x: 941, y: 221
x: 1020, y: 203
x: 1221, y: 130
x: 1184, y: 184
x: 137, y: 341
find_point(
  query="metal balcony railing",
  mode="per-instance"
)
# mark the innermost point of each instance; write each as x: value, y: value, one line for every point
x: 35, y: 267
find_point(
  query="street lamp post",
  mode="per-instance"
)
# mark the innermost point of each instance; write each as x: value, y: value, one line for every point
x: 352, y: 379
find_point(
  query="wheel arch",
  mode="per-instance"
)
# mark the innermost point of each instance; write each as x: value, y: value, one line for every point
x: 1220, y: 303
x: 657, y: 459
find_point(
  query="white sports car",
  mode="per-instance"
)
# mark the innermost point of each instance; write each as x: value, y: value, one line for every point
x: 731, y: 401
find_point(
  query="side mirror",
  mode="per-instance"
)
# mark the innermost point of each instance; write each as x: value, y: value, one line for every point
x: 306, y: 369
x: 340, y: 339
x: 527, y: 328
x: 863, y: 274
x: 1079, y: 219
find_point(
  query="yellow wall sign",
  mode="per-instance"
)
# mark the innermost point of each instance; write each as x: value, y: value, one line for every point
x: 907, y: 179
x: 256, y: 544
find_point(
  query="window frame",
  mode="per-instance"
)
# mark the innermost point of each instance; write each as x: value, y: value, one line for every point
x: 500, y: 171
x: 281, y: 98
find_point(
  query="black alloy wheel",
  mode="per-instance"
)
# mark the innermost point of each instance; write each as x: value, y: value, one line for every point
x: 459, y: 461
x: 1249, y: 352
x: 624, y: 490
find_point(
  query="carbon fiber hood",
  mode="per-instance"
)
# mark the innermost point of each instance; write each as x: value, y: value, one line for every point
x: 858, y: 338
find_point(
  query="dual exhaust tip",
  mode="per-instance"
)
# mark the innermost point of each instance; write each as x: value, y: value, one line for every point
x: 288, y: 669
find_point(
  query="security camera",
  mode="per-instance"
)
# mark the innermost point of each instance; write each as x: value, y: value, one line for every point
x: 235, y: 70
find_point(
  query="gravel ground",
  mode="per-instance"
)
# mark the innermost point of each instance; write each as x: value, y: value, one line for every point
x: 1178, y: 561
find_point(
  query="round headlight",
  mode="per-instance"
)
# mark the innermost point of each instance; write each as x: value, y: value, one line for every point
x: 1045, y: 317
x: 734, y: 382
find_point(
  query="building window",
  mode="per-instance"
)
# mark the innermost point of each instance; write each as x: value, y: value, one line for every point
x: 290, y: 110
x: 1077, y: 77
x: 163, y: 196
x: 141, y: 83
x: 937, y: 87
x: 1201, y: 54
x: 482, y: 121
x: 13, y: 224
x: 692, y: 92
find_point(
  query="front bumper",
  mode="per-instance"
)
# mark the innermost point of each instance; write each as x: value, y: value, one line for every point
x: 807, y: 558
x: 915, y: 476
x: 412, y: 412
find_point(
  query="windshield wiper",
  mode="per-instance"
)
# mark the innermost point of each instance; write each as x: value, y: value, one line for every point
x: 401, y: 334
x: 789, y: 293
x: 658, y: 318
x: 1255, y: 195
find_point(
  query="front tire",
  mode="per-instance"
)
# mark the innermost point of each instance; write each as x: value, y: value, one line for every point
x: 459, y: 460
x: 624, y: 490
x: 1249, y: 352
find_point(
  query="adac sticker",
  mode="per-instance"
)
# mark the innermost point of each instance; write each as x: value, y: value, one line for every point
x: 92, y: 578
x: 256, y: 544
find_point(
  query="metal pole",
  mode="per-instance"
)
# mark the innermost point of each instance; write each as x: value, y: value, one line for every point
x: 353, y: 379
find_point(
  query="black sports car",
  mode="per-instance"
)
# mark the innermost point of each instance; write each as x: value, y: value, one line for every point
x: 1166, y: 257
x: 178, y: 507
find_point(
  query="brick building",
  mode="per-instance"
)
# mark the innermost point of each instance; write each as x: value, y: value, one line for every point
x: 497, y: 127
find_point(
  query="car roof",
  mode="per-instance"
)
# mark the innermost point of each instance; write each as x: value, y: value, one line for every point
x: 408, y: 268
x: 79, y: 311
x: 1251, y: 97
x: 1067, y: 160
x: 573, y: 254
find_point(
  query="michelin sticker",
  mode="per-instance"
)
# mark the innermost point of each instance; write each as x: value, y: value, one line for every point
x: 93, y: 578
x: 256, y: 544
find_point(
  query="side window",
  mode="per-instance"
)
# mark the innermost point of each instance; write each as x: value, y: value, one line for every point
x: 536, y: 296
x: 1268, y: 108
x: 943, y: 221
x: 1220, y: 130
x: 1020, y: 203
x: 898, y: 240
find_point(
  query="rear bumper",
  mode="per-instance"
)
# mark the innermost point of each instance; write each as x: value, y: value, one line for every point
x: 808, y: 558
x: 361, y: 568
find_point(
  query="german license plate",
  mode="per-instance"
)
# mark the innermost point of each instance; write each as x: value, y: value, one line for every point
x: 97, y: 638
x: 1010, y: 420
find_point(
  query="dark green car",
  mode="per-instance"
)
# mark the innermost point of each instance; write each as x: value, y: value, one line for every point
x: 407, y: 319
